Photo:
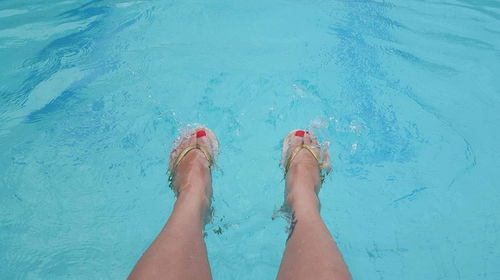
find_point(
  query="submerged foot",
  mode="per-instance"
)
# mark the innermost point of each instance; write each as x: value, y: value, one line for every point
x: 303, y: 176
x: 192, y: 175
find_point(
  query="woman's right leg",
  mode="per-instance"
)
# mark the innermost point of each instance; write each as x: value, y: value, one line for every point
x: 311, y: 252
x: 179, y: 251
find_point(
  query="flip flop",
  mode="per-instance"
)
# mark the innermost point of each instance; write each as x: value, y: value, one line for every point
x: 210, y: 150
x: 287, y: 157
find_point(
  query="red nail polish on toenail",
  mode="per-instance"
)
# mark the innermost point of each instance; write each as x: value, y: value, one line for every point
x: 299, y: 133
x: 307, y: 132
x: 200, y: 133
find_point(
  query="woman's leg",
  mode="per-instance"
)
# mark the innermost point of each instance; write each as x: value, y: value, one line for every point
x: 179, y: 251
x: 311, y: 252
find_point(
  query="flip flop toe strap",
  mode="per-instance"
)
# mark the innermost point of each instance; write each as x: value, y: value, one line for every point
x: 184, y: 153
x: 296, y: 150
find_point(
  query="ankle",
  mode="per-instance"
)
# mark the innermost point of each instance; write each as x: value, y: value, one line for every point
x: 198, y: 198
x: 303, y: 200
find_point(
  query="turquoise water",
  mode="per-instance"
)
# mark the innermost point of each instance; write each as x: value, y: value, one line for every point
x: 92, y: 95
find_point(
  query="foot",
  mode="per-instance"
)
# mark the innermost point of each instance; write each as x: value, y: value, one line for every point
x: 303, y: 177
x: 192, y: 174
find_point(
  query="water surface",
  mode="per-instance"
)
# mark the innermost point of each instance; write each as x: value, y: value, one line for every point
x: 92, y: 95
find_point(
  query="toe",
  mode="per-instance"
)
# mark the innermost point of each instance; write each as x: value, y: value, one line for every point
x: 179, y: 145
x: 307, y: 139
x: 192, y: 138
x: 311, y: 140
x: 212, y: 143
x: 202, y: 139
x: 297, y: 139
x: 292, y: 140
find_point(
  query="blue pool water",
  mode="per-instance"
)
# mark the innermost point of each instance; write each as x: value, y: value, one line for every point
x: 93, y: 93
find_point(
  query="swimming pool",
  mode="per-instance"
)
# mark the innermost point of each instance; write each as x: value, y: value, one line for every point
x: 93, y: 93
